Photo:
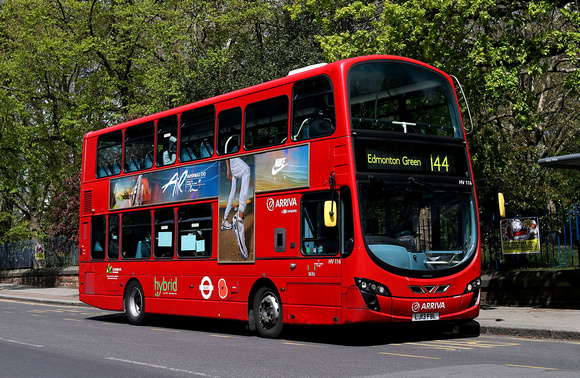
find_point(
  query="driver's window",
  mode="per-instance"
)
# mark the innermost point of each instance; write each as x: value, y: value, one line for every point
x: 317, y: 239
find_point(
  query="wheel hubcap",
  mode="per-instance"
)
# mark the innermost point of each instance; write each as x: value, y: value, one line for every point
x: 269, y: 310
x: 135, y: 303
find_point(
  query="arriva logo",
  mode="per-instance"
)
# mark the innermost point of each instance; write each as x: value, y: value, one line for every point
x: 165, y: 287
x: 416, y: 306
x: 272, y: 204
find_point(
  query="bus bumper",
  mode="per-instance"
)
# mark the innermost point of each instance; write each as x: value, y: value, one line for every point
x: 396, y: 309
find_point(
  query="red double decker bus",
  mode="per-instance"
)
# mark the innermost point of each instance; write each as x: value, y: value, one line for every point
x: 342, y: 193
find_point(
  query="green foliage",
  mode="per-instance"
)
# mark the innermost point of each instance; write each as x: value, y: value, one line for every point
x: 18, y: 232
x: 69, y: 67
x: 518, y: 62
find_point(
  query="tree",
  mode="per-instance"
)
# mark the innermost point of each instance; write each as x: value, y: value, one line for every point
x: 239, y: 43
x: 69, y: 67
x: 39, y: 140
x: 518, y: 62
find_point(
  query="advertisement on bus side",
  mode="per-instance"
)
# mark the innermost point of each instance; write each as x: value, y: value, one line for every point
x: 180, y: 184
x: 234, y: 181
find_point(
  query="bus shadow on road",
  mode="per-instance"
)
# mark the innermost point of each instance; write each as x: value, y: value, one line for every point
x: 346, y: 335
x: 381, y: 334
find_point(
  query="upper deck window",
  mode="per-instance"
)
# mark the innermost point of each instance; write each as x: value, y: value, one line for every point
x: 197, y: 134
x: 167, y: 140
x: 109, y: 153
x: 402, y: 97
x: 313, y: 109
x: 266, y: 123
x: 229, y: 131
x: 139, y: 142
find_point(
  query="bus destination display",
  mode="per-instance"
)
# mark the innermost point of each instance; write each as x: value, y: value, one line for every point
x: 381, y: 156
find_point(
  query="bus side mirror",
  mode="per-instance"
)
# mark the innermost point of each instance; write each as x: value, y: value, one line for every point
x: 330, y: 211
x: 501, y: 203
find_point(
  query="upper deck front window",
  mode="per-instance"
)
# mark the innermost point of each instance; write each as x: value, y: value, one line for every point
x: 402, y: 97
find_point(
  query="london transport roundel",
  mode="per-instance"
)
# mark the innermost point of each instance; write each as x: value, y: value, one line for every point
x: 206, y: 287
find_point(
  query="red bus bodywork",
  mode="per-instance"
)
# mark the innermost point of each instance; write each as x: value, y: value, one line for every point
x: 308, y: 288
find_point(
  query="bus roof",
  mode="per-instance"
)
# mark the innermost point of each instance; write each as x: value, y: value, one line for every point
x: 293, y: 76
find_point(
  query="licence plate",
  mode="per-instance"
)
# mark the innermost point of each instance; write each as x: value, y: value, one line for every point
x: 422, y: 316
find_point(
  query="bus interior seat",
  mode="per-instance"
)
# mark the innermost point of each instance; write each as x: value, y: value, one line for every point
x: 134, y: 165
x: 116, y: 168
x: 104, y: 171
x: 319, y: 127
x: 148, y: 162
x: 205, y: 149
x: 187, y: 154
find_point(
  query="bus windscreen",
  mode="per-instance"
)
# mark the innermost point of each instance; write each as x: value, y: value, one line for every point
x: 402, y: 97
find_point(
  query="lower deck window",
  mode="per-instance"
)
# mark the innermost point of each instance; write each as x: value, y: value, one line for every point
x: 98, y: 238
x: 194, y: 231
x: 164, y: 233
x: 136, y: 238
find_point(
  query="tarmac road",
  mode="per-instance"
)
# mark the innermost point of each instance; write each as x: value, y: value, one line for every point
x: 493, y: 320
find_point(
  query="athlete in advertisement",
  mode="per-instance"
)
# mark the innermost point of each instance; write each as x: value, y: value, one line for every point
x: 237, y: 169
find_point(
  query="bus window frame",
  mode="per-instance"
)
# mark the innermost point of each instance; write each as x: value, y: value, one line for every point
x: 169, y: 222
x: 304, y: 119
x: 398, y: 126
x: 163, y: 135
x: 221, y: 144
x: 144, y: 228
x: 115, y: 167
x: 208, y: 239
x: 188, y: 144
x: 317, y: 199
x: 102, y: 240
x: 130, y: 141
x: 272, y: 104
x: 110, y: 223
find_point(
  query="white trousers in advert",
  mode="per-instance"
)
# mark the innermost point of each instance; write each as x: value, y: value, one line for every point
x: 240, y: 171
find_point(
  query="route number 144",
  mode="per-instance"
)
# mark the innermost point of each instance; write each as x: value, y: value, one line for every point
x: 439, y: 163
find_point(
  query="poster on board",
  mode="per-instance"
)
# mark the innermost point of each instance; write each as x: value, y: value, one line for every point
x: 520, y: 235
x: 236, y: 210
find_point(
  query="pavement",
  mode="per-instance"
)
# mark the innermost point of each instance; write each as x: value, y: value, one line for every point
x: 493, y: 320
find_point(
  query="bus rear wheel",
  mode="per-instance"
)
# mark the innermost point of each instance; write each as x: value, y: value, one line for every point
x: 268, y: 313
x: 134, y: 303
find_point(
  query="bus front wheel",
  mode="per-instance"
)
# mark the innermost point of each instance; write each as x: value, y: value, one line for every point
x: 268, y: 313
x: 135, y: 303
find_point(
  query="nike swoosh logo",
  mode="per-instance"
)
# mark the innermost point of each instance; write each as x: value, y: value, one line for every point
x: 275, y: 169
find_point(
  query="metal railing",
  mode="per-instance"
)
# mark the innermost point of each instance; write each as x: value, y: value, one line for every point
x: 58, y: 253
x: 559, y: 242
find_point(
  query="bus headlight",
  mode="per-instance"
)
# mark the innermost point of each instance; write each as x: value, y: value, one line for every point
x: 473, y: 286
x: 369, y: 290
x: 372, y: 287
